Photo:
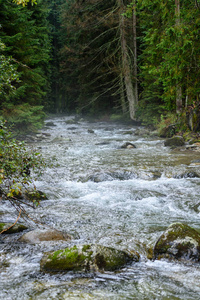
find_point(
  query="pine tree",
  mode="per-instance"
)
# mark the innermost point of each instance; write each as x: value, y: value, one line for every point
x: 98, y: 69
x: 24, y: 30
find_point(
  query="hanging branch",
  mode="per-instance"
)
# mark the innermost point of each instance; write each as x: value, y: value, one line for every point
x: 13, y: 223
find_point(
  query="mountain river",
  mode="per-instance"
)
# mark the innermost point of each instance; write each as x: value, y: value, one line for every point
x: 101, y: 193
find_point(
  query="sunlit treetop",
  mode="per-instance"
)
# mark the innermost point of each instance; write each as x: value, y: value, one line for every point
x: 25, y: 2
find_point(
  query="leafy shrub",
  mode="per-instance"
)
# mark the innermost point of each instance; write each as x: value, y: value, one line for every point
x: 24, y: 116
x: 16, y: 166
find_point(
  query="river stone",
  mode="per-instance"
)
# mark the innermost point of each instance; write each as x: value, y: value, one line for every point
x: 128, y: 145
x: 14, y: 229
x: 109, y: 176
x: 175, y: 141
x: 86, y: 258
x: 40, y: 235
x: 50, y: 124
x: 179, y: 241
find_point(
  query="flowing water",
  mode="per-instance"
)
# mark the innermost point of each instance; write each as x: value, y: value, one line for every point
x: 100, y: 193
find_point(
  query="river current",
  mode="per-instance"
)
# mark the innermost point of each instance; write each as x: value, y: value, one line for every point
x: 101, y: 193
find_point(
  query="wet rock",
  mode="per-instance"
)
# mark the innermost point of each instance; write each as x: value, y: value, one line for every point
x: 102, y: 143
x: 90, y: 131
x: 86, y: 258
x: 179, y: 241
x: 100, y: 177
x: 109, y: 176
x: 71, y: 121
x: 128, y: 145
x: 14, y: 229
x: 175, y: 141
x: 142, y: 131
x: 40, y: 235
x: 127, y: 132
x: 72, y: 128
x: 168, y: 131
x: 50, y: 124
x: 187, y: 175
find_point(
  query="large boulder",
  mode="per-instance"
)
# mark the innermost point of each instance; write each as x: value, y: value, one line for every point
x: 86, y: 258
x: 9, y: 228
x: 176, y: 141
x: 40, y: 235
x: 179, y: 241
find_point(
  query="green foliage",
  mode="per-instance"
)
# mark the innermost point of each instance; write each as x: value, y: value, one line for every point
x: 170, y: 55
x: 25, y: 71
x: 24, y: 117
x: 25, y: 2
x: 8, y: 72
x: 16, y: 163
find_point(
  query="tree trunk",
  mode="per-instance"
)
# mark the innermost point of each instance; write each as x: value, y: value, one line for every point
x: 126, y: 69
x: 179, y: 101
x: 122, y: 96
x: 135, y: 52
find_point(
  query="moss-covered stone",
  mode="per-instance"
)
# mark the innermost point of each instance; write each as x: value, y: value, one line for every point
x: 14, y: 229
x: 176, y: 141
x: 179, y: 241
x: 86, y: 258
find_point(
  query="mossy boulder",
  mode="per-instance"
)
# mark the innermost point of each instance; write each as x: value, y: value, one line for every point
x: 86, y: 258
x: 41, y: 235
x: 176, y: 141
x: 179, y: 242
x: 14, y: 229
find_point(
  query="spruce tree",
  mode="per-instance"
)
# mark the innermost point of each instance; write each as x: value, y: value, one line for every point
x: 24, y: 31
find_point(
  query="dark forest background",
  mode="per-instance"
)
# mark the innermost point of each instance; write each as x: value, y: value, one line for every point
x: 116, y: 59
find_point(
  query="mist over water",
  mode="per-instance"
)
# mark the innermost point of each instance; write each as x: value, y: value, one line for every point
x: 100, y: 193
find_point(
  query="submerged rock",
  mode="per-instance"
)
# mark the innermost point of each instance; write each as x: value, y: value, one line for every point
x: 179, y: 241
x: 187, y: 175
x: 40, y: 235
x: 175, y: 141
x: 109, y: 176
x: 50, y: 124
x: 14, y: 229
x: 90, y: 131
x: 86, y: 258
x: 128, y: 145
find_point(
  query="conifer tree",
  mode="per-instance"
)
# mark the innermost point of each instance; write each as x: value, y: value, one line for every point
x: 97, y: 57
x: 24, y: 31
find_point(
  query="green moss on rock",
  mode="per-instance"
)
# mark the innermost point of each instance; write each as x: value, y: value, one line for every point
x: 179, y: 241
x: 86, y: 258
x: 175, y: 141
x: 14, y: 229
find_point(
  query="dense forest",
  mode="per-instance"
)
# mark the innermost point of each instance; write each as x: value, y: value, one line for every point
x: 136, y: 60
